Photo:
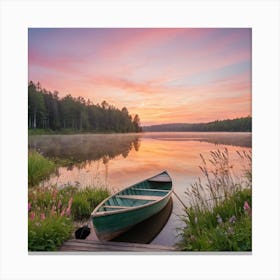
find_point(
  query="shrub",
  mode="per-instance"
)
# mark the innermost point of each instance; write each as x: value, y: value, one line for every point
x: 39, y: 168
x: 48, y: 234
x: 52, y: 213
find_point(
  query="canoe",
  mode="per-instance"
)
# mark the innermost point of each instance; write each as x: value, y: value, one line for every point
x: 130, y: 206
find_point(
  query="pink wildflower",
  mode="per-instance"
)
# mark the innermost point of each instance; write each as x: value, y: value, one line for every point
x: 53, y: 209
x: 70, y: 202
x: 32, y: 216
x: 59, y: 204
x: 43, y: 217
x: 68, y: 211
x: 62, y: 213
x: 247, y: 208
x: 29, y: 206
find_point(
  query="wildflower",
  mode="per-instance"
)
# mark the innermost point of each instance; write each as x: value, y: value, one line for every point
x: 53, y: 210
x: 32, y: 216
x: 43, y: 217
x: 219, y: 219
x: 70, y: 202
x: 232, y: 219
x: 195, y: 220
x: 59, y: 204
x: 62, y: 213
x: 68, y: 211
x: 247, y: 208
x: 29, y: 206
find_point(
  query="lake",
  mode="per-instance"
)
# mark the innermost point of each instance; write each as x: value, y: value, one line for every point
x: 120, y: 160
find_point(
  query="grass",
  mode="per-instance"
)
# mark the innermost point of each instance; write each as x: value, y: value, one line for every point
x: 219, y: 216
x: 52, y: 213
x: 85, y: 200
x: 49, y: 233
x: 39, y: 168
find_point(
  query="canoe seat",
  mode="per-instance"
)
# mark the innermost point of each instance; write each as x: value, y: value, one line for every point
x: 152, y: 190
x: 116, y: 207
x: 140, y: 197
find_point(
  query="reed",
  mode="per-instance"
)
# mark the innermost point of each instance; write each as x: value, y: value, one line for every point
x: 219, y: 215
x: 85, y: 200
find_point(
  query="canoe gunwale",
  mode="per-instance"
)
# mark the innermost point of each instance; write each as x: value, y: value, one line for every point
x: 131, y: 208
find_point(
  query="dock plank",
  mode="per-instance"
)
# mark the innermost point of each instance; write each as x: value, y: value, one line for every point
x: 76, y: 245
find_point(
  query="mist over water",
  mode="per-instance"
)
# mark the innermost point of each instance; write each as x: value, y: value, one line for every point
x: 120, y: 160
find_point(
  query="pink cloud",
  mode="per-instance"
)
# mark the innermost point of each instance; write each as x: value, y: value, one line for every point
x: 150, y: 67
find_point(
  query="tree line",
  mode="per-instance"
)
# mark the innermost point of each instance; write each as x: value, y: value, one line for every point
x: 47, y: 111
x: 234, y: 125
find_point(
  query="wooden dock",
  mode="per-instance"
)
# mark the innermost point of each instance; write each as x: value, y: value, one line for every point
x: 77, y: 245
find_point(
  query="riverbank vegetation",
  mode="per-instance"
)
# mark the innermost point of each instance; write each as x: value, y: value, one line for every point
x: 53, y: 213
x: 47, y: 111
x: 219, y: 217
x: 39, y: 168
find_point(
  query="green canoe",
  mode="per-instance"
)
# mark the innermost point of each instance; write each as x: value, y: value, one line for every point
x: 130, y: 206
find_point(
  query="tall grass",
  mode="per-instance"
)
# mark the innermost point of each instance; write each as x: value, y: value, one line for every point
x: 85, y: 200
x: 39, y: 168
x: 219, y: 216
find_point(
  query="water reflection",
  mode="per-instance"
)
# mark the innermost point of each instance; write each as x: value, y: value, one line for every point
x: 146, y: 231
x: 119, y: 161
x: 242, y: 139
x: 85, y: 148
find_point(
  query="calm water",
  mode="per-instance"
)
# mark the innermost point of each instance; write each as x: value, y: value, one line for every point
x: 120, y: 160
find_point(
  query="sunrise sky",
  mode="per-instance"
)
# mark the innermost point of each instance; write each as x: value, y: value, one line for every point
x: 164, y: 75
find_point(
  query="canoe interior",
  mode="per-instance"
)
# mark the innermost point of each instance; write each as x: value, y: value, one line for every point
x: 139, y: 194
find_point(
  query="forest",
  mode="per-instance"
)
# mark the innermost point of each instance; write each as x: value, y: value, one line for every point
x: 234, y: 125
x: 46, y: 110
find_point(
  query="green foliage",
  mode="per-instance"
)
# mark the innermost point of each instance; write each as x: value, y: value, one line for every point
x: 85, y: 200
x: 81, y: 208
x: 219, y: 217
x: 52, y: 213
x: 48, y: 234
x: 48, y: 112
x: 226, y: 228
x: 39, y: 168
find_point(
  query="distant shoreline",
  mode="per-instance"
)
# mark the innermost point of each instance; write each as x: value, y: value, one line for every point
x: 47, y: 132
x: 243, y: 124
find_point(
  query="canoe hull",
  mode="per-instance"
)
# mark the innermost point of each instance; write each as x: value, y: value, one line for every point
x: 110, y: 226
